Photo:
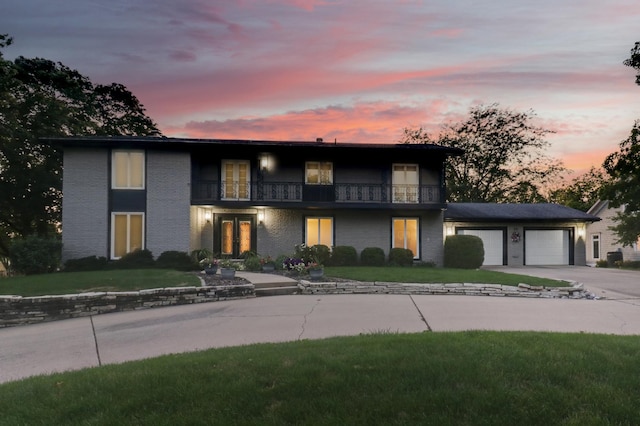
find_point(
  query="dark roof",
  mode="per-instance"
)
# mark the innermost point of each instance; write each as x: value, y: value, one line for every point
x: 493, y: 212
x: 173, y: 143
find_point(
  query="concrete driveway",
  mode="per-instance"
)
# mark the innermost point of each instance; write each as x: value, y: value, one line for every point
x: 609, y: 283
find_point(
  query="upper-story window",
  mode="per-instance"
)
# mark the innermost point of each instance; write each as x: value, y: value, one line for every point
x: 236, y: 180
x: 127, y: 170
x: 319, y: 173
x: 405, y: 183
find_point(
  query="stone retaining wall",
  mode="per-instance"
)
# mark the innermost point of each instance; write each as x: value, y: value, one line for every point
x: 18, y: 310
x: 575, y: 291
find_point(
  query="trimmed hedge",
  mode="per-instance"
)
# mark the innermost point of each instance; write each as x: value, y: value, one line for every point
x: 372, y: 256
x: 344, y: 256
x: 178, y: 260
x: 463, y: 251
x: 400, y: 257
x: 35, y: 255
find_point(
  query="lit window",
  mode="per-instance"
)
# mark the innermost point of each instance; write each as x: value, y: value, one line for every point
x: 127, y: 170
x: 319, y: 173
x: 319, y: 230
x: 127, y: 233
x: 236, y: 180
x: 405, y: 234
x: 405, y: 183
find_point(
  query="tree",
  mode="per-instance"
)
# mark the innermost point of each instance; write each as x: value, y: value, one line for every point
x: 634, y: 60
x: 623, y: 189
x: 40, y: 98
x: 503, y: 159
x: 583, y: 191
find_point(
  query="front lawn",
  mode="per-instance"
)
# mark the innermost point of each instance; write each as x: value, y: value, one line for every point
x: 436, y: 275
x: 453, y: 378
x: 109, y: 280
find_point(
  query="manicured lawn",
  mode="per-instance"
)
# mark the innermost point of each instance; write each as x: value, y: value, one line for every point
x: 461, y: 378
x: 112, y: 280
x: 436, y: 275
x: 137, y: 279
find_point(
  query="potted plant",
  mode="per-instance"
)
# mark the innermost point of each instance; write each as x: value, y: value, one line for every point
x: 228, y: 268
x: 210, y: 265
x: 268, y: 264
x: 315, y: 270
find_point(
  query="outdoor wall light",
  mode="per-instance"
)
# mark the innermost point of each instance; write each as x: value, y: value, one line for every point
x: 265, y: 161
x: 207, y: 216
x: 261, y: 216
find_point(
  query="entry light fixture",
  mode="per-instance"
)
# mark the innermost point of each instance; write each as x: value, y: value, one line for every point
x: 260, y: 216
x: 207, y: 216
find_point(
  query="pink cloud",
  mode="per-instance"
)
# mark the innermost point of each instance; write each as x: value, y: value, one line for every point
x: 376, y: 122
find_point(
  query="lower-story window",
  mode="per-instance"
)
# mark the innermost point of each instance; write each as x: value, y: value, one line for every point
x: 127, y: 233
x: 405, y: 234
x: 595, y: 245
x: 319, y: 230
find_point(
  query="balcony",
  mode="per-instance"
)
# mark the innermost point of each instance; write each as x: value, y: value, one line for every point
x: 282, y: 193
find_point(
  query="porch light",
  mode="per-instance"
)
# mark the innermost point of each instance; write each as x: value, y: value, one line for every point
x: 260, y: 216
x: 207, y: 216
x: 265, y: 162
x: 581, y: 231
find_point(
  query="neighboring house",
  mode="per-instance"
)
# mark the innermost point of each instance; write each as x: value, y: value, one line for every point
x: 602, y: 240
x: 232, y: 196
x: 523, y: 234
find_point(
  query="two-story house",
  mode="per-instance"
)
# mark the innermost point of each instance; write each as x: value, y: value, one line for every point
x: 232, y: 196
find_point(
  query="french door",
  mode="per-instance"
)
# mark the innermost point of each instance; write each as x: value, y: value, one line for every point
x: 236, y: 235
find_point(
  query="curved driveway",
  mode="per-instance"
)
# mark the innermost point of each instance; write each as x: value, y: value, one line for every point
x: 126, y: 336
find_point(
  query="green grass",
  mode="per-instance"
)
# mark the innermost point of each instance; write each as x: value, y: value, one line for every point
x: 111, y: 280
x: 137, y: 279
x: 456, y: 378
x: 436, y: 275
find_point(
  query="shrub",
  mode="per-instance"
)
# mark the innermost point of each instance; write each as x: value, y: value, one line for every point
x: 35, y: 255
x: 602, y: 263
x: 400, y: 257
x: 344, y: 256
x: 253, y: 263
x: 88, y: 263
x: 177, y: 260
x: 372, y: 256
x: 323, y: 253
x: 463, y: 251
x: 138, y: 259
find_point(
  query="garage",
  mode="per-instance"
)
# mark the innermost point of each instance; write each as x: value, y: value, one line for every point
x: 547, y: 246
x: 493, y: 242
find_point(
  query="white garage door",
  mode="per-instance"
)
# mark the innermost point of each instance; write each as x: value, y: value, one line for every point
x: 493, y: 242
x: 546, y: 247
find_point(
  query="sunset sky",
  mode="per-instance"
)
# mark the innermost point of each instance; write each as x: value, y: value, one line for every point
x: 355, y: 71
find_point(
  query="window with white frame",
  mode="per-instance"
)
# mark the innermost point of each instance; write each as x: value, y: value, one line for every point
x: 127, y: 169
x: 127, y: 233
x: 405, y: 183
x: 318, y: 173
x: 595, y: 245
x: 236, y: 180
x: 318, y: 230
x: 406, y: 232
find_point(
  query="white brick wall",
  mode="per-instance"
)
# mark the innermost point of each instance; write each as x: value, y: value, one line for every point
x: 168, y: 201
x: 85, y: 215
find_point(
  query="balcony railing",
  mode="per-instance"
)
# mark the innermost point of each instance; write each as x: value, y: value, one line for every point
x: 296, y: 192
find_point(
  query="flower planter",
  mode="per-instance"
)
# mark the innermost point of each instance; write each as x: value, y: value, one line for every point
x: 210, y: 271
x: 268, y: 267
x: 316, y: 274
x: 227, y: 272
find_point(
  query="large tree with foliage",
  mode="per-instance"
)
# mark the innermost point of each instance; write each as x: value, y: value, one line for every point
x: 504, y: 158
x: 582, y: 192
x: 623, y: 167
x: 623, y: 189
x: 634, y: 60
x: 40, y: 98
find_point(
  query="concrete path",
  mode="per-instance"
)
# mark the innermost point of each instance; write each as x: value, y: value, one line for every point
x: 118, y: 337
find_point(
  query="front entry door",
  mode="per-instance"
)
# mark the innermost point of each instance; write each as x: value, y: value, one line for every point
x: 236, y: 235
